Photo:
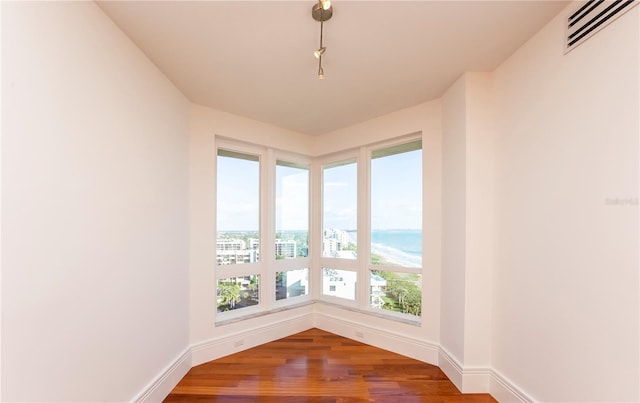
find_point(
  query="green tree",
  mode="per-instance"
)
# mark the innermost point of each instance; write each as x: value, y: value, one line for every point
x: 253, y: 288
x: 229, y: 293
x: 402, y: 293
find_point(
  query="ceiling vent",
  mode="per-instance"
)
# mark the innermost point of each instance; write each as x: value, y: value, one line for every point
x: 592, y: 17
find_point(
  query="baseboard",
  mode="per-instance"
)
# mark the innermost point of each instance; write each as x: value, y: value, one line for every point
x: 382, y: 338
x: 451, y: 367
x: 231, y: 343
x: 505, y: 391
x: 160, y: 387
x: 467, y: 380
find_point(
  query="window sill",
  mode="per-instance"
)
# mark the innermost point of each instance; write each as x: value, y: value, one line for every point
x: 406, y: 321
x: 262, y: 313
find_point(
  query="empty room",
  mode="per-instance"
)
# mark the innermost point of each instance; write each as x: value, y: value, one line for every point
x: 193, y: 183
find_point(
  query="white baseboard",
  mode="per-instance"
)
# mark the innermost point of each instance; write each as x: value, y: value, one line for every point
x: 505, y: 391
x: 215, y: 348
x: 160, y: 387
x: 467, y: 380
x: 451, y: 367
x: 382, y: 338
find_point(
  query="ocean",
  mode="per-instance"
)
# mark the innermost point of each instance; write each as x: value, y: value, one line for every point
x: 401, y: 247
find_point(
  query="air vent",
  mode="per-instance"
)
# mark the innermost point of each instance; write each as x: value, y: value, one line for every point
x: 592, y: 17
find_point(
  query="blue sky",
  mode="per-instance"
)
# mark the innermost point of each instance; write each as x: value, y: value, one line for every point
x: 396, y: 191
x: 238, y: 194
x: 292, y: 198
x: 395, y: 194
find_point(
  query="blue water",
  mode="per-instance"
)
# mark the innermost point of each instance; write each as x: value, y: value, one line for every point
x: 402, y: 247
x: 409, y: 241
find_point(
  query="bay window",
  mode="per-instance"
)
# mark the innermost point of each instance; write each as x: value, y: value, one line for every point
x: 366, y: 244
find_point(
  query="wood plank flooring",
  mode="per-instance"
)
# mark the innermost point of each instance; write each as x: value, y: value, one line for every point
x: 316, y: 366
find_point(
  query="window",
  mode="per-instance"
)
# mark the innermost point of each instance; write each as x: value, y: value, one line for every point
x: 291, y: 229
x: 367, y: 240
x: 292, y: 210
x: 239, y: 267
x: 396, y: 205
x: 396, y: 228
x: 340, y: 208
x: 238, y: 207
x: 262, y: 229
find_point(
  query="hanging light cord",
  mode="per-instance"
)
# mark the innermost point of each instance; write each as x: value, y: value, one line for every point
x: 321, y: 12
x: 320, y: 71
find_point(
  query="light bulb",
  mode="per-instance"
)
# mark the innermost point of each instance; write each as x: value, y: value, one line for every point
x: 319, y: 52
x: 326, y: 4
x: 320, y: 74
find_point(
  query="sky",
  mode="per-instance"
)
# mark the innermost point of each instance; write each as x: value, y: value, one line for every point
x: 292, y: 198
x: 238, y: 194
x: 396, y: 190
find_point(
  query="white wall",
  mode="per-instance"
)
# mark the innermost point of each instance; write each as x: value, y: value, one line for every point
x: 479, y: 207
x: 94, y: 207
x: 565, y: 317
x: 454, y: 127
x: 467, y: 232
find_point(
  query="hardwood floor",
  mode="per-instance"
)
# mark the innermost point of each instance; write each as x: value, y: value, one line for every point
x: 316, y: 366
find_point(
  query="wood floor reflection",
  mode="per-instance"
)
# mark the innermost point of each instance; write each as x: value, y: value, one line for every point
x: 316, y: 366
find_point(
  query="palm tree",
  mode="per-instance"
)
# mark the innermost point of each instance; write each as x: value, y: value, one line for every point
x: 229, y: 294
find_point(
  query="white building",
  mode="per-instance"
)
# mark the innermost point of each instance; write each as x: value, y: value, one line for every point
x: 230, y: 244
x: 286, y: 249
x: 225, y: 257
x: 378, y: 286
x: 292, y: 283
x: 343, y: 283
x: 334, y: 241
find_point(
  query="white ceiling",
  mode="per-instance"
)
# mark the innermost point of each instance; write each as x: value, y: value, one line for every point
x: 255, y: 58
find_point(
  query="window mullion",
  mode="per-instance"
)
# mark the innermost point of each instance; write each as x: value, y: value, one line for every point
x: 315, y: 230
x: 267, y: 227
x: 364, y: 241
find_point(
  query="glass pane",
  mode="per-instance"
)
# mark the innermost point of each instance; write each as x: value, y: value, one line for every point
x: 292, y: 283
x: 237, y: 292
x: 398, y: 292
x: 339, y: 283
x: 340, y: 197
x: 292, y: 210
x: 396, y: 205
x: 238, y: 207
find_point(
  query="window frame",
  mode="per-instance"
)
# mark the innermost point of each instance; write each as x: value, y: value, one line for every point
x: 369, y: 151
x: 326, y: 262
x: 267, y: 267
x: 246, y: 269
x: 297, y: 263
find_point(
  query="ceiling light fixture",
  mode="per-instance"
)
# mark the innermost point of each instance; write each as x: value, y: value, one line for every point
x: 321, y: 11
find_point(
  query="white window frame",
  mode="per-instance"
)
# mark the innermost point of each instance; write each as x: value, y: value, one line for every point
x: 368, y: 150
x: 297, y: 263
x: 331, y: 262
x: 362, y: 264
x: 268, y: 266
